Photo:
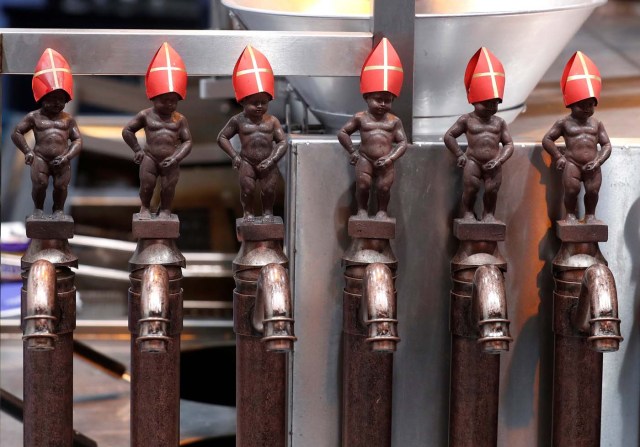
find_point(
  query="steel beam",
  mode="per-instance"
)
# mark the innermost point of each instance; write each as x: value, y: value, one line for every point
x: 205, y: 52
x: 396, y: 21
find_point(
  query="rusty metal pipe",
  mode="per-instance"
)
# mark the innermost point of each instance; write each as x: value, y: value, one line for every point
x: 489, y: 306
x: 48, y: 319
x: 379, y: 308
x: 48, y: 291
x: 597, y: 310
x: 263, y: 323
x: 154, y: 310
x: 272, y: 314
x: 586, y: 324
x: 368, y: 340
x: 475, y: 372
x: 155, y: 323
x: 479, y: 329
x: 39, y: 321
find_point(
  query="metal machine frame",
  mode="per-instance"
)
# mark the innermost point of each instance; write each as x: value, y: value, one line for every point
x: 424, y: 195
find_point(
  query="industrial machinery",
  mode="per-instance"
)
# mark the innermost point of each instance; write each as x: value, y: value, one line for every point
x: 423, y: 202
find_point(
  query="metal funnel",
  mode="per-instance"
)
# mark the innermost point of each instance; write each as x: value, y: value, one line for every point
x: 526, y: 35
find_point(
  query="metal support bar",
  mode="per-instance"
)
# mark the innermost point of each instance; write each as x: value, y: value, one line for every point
x: 395, y: 20
x: 205, y: 52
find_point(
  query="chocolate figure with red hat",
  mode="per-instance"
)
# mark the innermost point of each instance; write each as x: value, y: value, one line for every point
x: 484, y: 80
x: 581, y: 160
x: 168, y: 138
x: 57, y: 137
x: 382, y: 136
x: 262, y: 139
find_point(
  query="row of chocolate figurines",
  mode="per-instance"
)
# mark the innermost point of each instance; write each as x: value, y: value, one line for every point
x: 263, y: 141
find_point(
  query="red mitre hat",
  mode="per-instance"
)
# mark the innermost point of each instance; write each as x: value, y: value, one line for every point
x: 484, y: 77
x: 382, y: 71
x: 252, y: 74
x: 580, y: 79
x: 52, y: 72
x: 166, y: 73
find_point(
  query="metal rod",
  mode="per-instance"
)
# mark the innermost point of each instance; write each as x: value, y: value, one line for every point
x: 489, y: 311
x: 597, y: 311
x: 272, y: 315
x: 585, y: 325
x: 155, y: 323
x: 39, y: 321
x: 107, y: 364
x: 12, y: 405
x: 261, y: 393
x: 475, y: 382
x: 395, y: 20
x: 475, y: 374
x: 367, y: 384
x: 479, y: 329
x: 154, y: 310
x: 379, y: 308
x: 262, y: 310
x: 369, y: 337
x: 48, y: 366
x: 577, y: 389
x: 205, y: 52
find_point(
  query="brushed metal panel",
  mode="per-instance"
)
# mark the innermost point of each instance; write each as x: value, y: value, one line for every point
x: 205, y: 52
x: 425, y: 199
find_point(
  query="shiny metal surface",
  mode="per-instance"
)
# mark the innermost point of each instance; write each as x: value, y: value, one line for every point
x: 479, y: 330
x: 154, y: 310
x: 489, y: 307
x: 113, y: 254
x: 272, y: 314
x: 155, y: 317
x: 156, y: 251
x: 425, y: 203
x: 48, y: 394
x: 369, y: 334
x: 254, y: 254
x: 585, y: 325
x: 597, y: 311
x: 155, y: 295
x: 260, y: 268
x: 56, y: 251
x: 367, y: 380
x: 578, y: 364
x: 39, y: 322
x: 205, y: 52
x: 394, y: 20
x: 447, y: 34
x: 47, y: 374
x: 379, y: 308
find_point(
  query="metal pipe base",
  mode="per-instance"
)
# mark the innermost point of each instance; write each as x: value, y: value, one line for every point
x: 155, y: 368
x: 367, y: 384
x: 155, y: 395
x: 585, y: 324
x: 577, y: 393
x: 475, y: 383
x: 48, y: 394
x: 261, y: 385
x: 48, y: 363
x: 262, y: 343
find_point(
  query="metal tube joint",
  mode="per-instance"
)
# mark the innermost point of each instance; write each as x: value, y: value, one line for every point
x: 154, y: 310
x: 379, y: 308
x: 272, y: 315
x: 597, y: 309
x: 489, y: 306
x: 39, y: 322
